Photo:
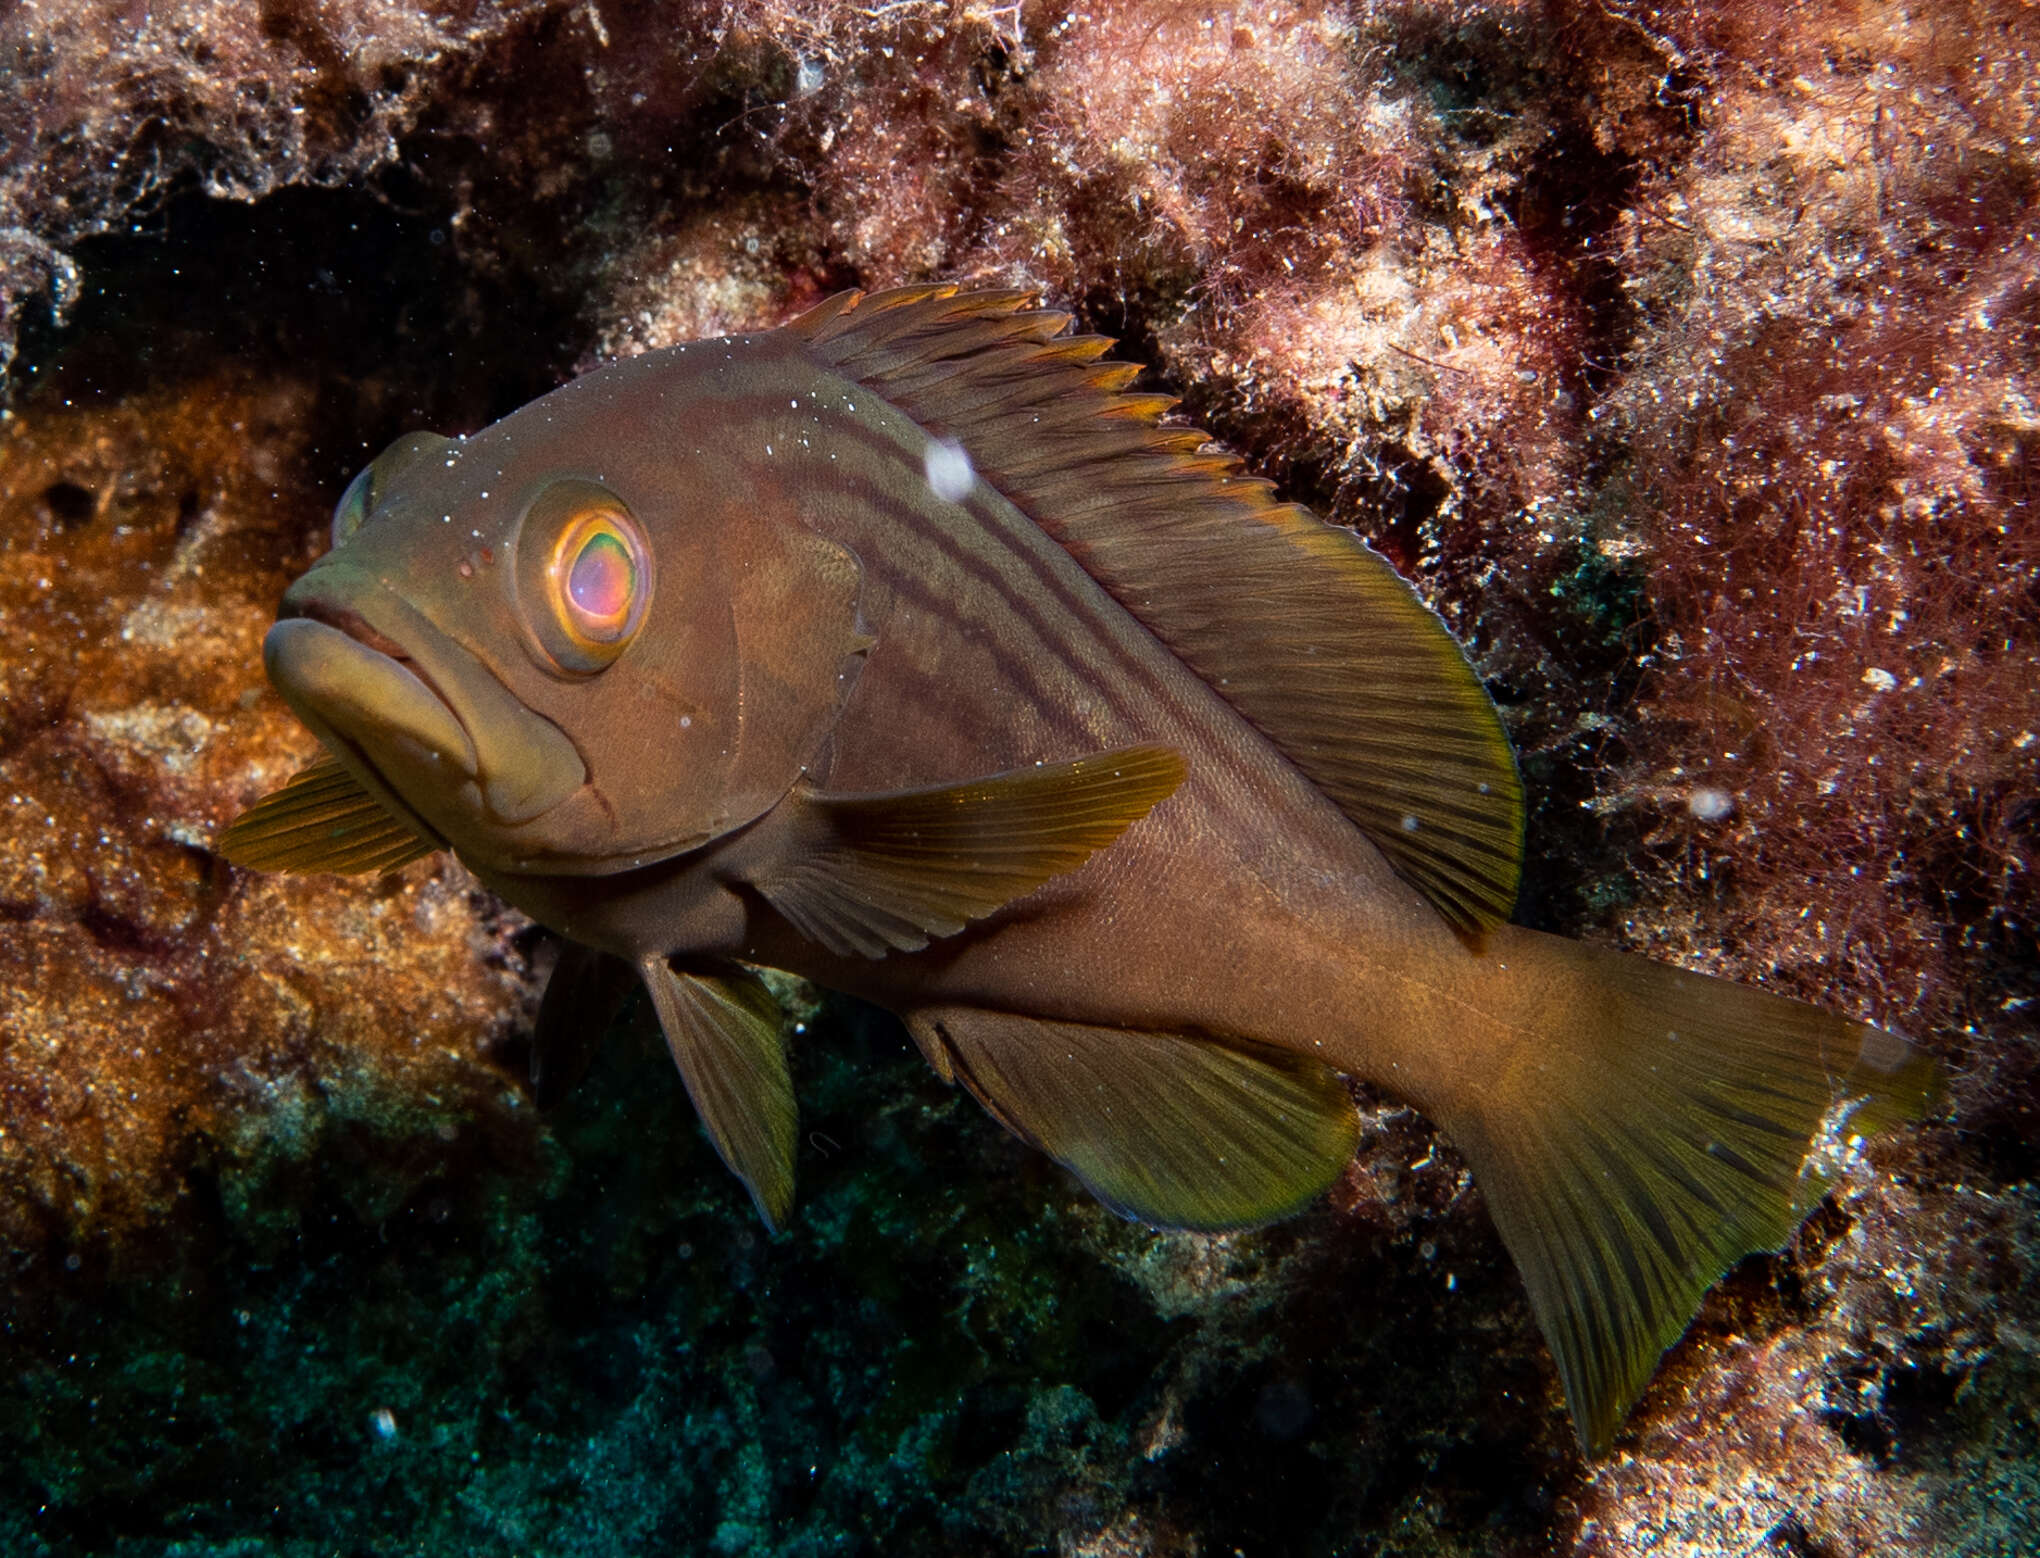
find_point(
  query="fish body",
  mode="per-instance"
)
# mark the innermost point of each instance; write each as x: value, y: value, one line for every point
x: 902, y: 649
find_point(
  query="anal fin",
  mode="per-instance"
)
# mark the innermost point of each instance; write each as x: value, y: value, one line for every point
x: 1170, y: 1129
x: 322, y: 820
x: 872, y: 874
x: 724, y: 1033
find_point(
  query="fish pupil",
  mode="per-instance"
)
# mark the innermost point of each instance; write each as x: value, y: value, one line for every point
x: 600, y: 581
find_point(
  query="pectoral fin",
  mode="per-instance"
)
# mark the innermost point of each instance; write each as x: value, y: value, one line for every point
x: 582, y: 998
x: 724, y: 1032
x: 871, y: 874
x: 322, y: 820
x: 1176, y: 1131
x: 1304, y: 630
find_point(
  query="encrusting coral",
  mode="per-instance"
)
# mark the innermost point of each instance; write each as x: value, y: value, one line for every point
x: 1682, y: 354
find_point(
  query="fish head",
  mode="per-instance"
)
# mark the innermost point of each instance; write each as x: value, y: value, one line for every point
x: 531, y: 644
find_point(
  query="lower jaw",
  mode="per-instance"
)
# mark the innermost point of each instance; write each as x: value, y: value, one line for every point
x: 370, y: 776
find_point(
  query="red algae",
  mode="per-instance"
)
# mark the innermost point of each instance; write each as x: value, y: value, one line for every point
x: 1683, y: 355
x: 1832, y: 425
x: 108, y: 106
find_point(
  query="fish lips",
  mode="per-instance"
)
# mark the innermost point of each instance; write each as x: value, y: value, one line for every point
x: 425, y: 717
x: 333, y: 679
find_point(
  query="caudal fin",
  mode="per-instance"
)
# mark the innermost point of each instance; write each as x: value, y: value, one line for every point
x: 1658, y: 1127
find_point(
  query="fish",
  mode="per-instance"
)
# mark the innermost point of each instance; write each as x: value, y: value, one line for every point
x: 908, y: 649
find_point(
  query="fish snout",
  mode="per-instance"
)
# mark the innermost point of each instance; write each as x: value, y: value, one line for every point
x: 351, y: 655
x: 338, y: 680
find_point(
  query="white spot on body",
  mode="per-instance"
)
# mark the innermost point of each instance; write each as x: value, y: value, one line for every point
x: 950, y: 474
x: 1877, y: 679
x: 382, y: 1422
x: 1710, y: 805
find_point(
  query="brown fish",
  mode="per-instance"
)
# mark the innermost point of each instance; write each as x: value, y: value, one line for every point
x: 901, y: 648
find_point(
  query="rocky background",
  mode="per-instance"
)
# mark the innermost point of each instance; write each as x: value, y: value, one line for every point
x: 1683, y: 354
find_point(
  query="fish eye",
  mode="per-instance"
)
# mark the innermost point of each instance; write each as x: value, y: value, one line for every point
x: 595, y: 576
x: 584, y: 566
x: 372, y: 484
x: 351, y: 512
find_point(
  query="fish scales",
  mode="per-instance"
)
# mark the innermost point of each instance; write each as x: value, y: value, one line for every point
x: 904, y: 649
x: 994, y: 646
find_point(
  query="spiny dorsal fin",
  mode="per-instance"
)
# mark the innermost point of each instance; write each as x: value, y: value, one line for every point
x: 1176, y: 1131
x: 1298, y: 624
x: 872, y: 874
x: 724, y: 1034
x: 322, y: 820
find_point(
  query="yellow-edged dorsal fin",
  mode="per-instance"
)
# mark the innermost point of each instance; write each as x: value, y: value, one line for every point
x: 322, y: 820
x: 1176, y: 1131
x: 724, y: 1032
x: 872, y: 874
x: 1304, y: 629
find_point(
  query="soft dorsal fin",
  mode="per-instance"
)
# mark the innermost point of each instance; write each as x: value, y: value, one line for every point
x: 1304, y: 629
x: 1176, y: 1131
x: 872, y: 874
x: 322, y: 820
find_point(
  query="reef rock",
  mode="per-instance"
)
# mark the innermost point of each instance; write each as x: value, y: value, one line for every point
x: 1682, y: 354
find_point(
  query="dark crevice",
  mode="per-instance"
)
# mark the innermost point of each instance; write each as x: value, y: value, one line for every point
x: 342, y: 278
x: 69, y: 504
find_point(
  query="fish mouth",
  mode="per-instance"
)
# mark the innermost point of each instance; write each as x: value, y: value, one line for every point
x: 354, y: 676
x: 358, y: 628
x: 420, y: 719
x: 352, y: 695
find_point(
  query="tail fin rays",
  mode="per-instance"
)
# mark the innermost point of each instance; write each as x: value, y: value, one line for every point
x: 1671, y: 1130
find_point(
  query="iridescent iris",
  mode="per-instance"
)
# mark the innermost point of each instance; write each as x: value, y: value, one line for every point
x: 584, y: 575
x: 601, y: 582
x: 598, y: 582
